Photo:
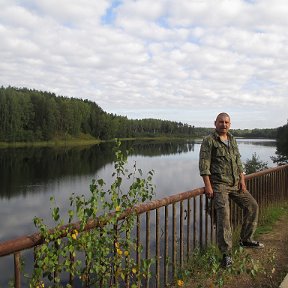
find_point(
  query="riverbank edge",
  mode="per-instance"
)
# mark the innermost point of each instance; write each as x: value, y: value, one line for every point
x: 88, y: 141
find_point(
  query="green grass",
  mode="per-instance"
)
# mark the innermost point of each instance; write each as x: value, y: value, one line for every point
x: 56, y: 142
x: 204, y: 269
x: 269, y: 217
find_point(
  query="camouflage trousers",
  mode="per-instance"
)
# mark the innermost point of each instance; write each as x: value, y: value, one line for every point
x: 222, y: 194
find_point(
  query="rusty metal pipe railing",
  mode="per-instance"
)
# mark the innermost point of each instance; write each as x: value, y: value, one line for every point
x: 263, y: 185
x: 30, y: 241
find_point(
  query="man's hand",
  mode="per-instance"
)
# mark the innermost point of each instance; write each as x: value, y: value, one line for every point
x: 208, y: 187
x: 242, y: 185
x: 209, y: 192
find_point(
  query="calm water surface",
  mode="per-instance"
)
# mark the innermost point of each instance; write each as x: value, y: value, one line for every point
x: 30, y: 176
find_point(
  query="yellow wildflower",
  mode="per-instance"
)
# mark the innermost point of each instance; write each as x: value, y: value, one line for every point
x: 40, y: 285
x: 119, y: 251
x: 180, y: 283
x: 117, y: 245
x: 134, y: 270
x: 74, y: 234
x: 117, y: 209
x: 126, y: 253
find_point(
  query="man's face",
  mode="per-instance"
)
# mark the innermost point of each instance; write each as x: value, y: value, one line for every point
x: 222, y: 124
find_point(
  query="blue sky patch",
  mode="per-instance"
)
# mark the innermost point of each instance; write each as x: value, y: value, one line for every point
x: 110, y: 16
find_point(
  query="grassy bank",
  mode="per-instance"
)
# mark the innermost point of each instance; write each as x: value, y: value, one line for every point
x: 269, y: 217
x: 52, y: 143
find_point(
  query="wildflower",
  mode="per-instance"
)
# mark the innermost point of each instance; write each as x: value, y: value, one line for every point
x: 126, y: 253
x: 117, y: 245
x: 119, y: 251
x: 134, y: 270
x: 117, y: 209
x: 40, y: 285
x: 83, y: 277
x: 180, y: 283
x: 74, y: 234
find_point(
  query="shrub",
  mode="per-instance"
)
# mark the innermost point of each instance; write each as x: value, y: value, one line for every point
x: 105, y: 252
x: 254, y: 165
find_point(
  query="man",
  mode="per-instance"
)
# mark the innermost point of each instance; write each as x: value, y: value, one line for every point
x: 222, y: 172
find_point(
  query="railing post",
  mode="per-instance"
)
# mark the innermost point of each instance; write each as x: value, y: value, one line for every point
x: 201, y: 220
x: 194, y: 222
x: 206, y: 221
x: 174, y: 244
x: 166, y: 255
x: 17, y: 269
x: 158, y: 248
x: 138, y: 241
x: 147, y: 240
x: 181, y: 240
x: 188, y: 229
x: 212, y: 219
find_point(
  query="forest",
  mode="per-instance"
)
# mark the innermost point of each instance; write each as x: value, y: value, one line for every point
x: 29, y: 115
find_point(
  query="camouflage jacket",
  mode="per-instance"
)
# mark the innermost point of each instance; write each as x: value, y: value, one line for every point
x: 219, y: 161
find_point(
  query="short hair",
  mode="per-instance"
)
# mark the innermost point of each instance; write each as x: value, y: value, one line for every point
x: 223, y: 114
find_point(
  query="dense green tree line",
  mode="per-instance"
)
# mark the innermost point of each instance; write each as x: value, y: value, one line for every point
x: 255, y: 133
x: 30, y: 115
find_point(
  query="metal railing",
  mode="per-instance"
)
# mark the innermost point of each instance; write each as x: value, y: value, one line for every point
x: 170, y: 228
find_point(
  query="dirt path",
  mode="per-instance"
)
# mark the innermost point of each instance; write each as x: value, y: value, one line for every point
x: 274, y: 257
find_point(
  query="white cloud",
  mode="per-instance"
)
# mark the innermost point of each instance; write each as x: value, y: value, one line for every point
x: 136, y: 57
x: 72, y: 12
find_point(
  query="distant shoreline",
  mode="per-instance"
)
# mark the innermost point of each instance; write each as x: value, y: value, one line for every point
x: 73, y: 142
x: 85, y: 142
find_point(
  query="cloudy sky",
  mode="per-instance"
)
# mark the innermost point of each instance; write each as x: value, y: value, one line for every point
x: 180, y: 60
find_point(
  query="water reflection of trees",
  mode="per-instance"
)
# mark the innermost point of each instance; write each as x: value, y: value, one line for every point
x: 160, y: 148
x: 28, y: 167
x: 22, y: 169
